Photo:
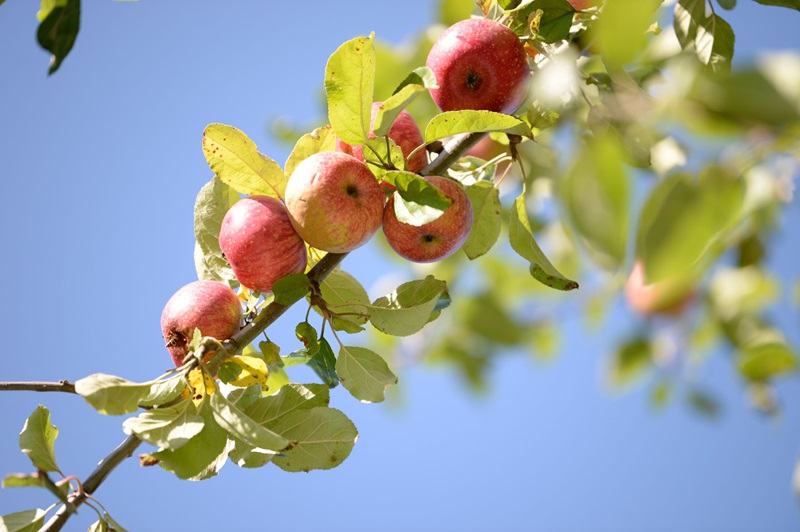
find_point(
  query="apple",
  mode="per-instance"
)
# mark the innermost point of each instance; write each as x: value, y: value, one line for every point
x: 479, y: 64
x: 334, y: 201
x: 667, y: 297
x: 404, y: 132
x: 435, y: 240
x: 260, y: 243
x: 210, y: 306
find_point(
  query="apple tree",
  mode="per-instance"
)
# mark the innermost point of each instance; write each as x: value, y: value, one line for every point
x: 556, y: 151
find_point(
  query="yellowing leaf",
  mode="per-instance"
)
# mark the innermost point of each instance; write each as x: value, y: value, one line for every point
x: 237, y: 162
x: 253, y: 370
x: 199, y: 388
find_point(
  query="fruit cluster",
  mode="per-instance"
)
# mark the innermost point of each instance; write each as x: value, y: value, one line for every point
x: 333, y: 201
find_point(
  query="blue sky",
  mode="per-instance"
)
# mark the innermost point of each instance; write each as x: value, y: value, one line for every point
x: 102, y: 162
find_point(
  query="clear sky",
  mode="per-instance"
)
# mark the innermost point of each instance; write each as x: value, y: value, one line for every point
x: 101, y: 164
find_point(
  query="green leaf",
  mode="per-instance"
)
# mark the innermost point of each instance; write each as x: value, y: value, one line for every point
x: 345, y: 296
x: 709, y: 37
x: 22, y: 480
x: 213, y: 201
x: 523, y: 242
x: 321, y: 139
x: 164, y: 391
x: 98, y: 526
x: 168, y: 428
x: 236, y: 161
x: 595, y: 195
x: 451, y: 11
x: 764, y: 362
x: 60, y: 22
x: 349, y: 85
x: 112, y: 395
x: 364, y: 373
x: 416, y: 189
x: 727, y: 4
x: 635, y: 16
x: 37, y: 440
x: 704, y: 403
x: 629, y: 362
x: 323, y: 362
x: 683, y: 221
x: 791, y: 4
x: 25, y: 521
x: 408, y: 309
x: 241, y: 426
x: 556, y: 19
x: 420, y: 80
x: 202, y: 456
x: 324, y: 438
x: 487, y: 218
x: 470, y: 121
x: 268, y: 410
x: 292, y: 288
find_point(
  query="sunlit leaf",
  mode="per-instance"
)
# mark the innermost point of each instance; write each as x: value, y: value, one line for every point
x: 619, y: 47
x: 168, y: 428
x: 324, y: 438
x: 201, y: 457
x: 420, y: 80
x: 350, y: 302
x: 163, y: 391
x: 349, y: 85
x: 213, y: 201
x: 251, y: 370
x: 709, y: 37
x: 471, y: 121
x: 110, y: 394
x: 766, y: 361
x: 37, y: 440
x: 487, y: 218
x: 364, y: 373
x: 22, y: 480
x: 523, y: 242
x: 268, y: 410
x: 408, y: 309
x: 321, y: 139
x: 382, y: 155
x: 236, y: 161
x: 241, y: 426
x: 556, y: 19
x: 683, y: 220
x: 595, y: 192
x: 25, y: 521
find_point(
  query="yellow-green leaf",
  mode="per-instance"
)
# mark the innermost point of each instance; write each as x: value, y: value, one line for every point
x: 349, y: 85
x: 470, y: 121
x: 236, y: 161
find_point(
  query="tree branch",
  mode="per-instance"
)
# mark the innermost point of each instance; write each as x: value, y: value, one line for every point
x: 93, y: 481
x: 453, y: 151
x: 60, y: 386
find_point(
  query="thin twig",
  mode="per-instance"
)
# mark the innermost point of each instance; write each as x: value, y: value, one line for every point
x: 60, y: 386
x: 93, y: 481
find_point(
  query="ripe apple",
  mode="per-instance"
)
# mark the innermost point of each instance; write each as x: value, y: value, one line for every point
x: 334, y: 201
x: 404, y: 132
x: 479, y: 64
x: 435, y: 240
x: 667, y: 297
x: 210, y: 306
x: 260, y: 243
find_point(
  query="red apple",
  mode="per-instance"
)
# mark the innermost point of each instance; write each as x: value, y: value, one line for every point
x: 479, y: 64
x: 435, y: 240
x: 260, y: 243
x: 210, y: 306
x: 334, y: 201
x: 404, y: 132
x: 668, y: 296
